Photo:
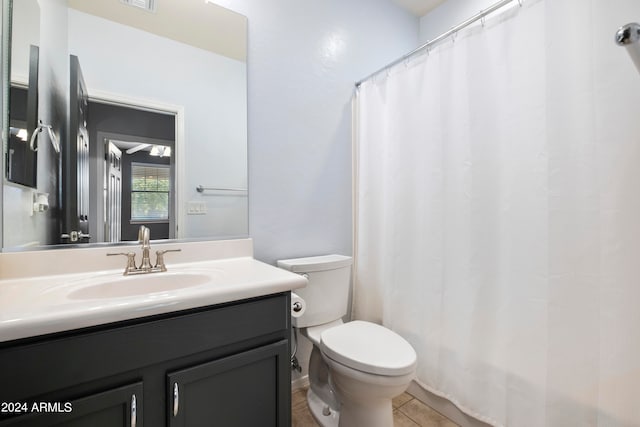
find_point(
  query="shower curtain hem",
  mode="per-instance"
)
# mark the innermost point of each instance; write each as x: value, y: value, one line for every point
x: 458, y: 405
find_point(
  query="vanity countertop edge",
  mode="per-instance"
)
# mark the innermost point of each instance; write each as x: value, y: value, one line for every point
x: 40, y: 304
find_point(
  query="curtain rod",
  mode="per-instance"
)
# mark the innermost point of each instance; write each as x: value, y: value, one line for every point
x: 442, y: 36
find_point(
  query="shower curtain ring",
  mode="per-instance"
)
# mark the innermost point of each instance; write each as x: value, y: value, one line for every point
x: 520, y: 3
x: 482, y: 20
x: 454, y: 35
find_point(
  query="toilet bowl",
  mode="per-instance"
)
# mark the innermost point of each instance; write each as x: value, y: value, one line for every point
x: 356, y: 368
x: 369, y: 365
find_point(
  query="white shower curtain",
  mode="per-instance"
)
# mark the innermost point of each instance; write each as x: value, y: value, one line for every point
x: 498, y: 215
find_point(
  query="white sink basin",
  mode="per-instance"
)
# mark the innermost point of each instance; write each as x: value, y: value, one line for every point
x: 141, y: 284
x: 46, y: 304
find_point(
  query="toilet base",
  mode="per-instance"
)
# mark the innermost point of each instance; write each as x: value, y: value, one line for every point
x: 319, y: 408
x: 365, y: 399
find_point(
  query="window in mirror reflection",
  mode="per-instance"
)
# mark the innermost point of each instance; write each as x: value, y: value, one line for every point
x: 150, y: 185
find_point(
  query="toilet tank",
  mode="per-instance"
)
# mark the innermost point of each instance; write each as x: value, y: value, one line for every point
x: 327, y: 294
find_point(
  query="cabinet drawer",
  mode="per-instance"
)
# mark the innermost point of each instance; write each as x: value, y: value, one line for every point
x: 118, y: 407
x: 244, y: 390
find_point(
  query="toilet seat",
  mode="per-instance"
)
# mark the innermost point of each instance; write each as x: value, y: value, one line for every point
x: 369, y: 348
x: 314, y: 333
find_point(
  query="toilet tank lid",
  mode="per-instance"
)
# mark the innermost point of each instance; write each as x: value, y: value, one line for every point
x: 315, y: 263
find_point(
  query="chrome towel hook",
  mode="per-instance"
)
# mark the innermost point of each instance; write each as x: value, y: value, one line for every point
x: 52, y: 136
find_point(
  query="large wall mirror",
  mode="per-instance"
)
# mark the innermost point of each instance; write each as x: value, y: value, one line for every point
x: 124, y: 113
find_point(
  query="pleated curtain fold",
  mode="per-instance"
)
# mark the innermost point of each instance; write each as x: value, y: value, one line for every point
x: 498, y: 214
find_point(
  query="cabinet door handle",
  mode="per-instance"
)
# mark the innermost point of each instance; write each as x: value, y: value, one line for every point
x: 133, y: 411
x: 176, y: 399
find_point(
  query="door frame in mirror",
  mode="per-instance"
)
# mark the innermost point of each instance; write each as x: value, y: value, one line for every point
x: 109, y: 98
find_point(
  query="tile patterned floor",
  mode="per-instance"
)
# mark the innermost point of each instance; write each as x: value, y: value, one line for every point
x: 407, y: 412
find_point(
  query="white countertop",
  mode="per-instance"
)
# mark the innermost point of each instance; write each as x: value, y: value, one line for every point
x: 31, y: 306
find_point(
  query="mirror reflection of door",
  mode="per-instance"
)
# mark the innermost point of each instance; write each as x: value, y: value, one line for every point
x: 74, y: 224
x: 113, y: 194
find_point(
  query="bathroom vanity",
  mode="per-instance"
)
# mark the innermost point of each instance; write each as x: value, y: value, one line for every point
x: 203, y: 364
x: 186, y: 361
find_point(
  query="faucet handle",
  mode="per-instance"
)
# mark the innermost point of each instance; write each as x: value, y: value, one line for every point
x: 131, y: 261
x: 160, y: 258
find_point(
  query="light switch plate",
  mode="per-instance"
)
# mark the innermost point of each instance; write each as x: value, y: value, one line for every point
x: 196, y: 208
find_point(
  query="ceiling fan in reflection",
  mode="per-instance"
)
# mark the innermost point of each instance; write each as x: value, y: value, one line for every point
x: 156, y: 150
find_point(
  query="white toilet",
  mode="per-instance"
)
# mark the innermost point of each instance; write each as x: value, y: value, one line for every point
x: 355, y: 368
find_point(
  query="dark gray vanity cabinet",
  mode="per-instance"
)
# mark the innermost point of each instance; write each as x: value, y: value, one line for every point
x: 224, y: 365
x: 238, y: 389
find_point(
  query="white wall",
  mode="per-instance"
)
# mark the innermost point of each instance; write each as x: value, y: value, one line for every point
x: 304, y: 58
x: 450, y: 14
x: 212, y: 90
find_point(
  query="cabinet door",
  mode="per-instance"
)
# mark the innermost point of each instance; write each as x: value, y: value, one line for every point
x: 119, y: 407
x: 250, y: 389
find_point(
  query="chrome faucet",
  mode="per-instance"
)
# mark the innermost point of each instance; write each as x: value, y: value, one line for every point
x: 143, y: 237
x: 144, y: 234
